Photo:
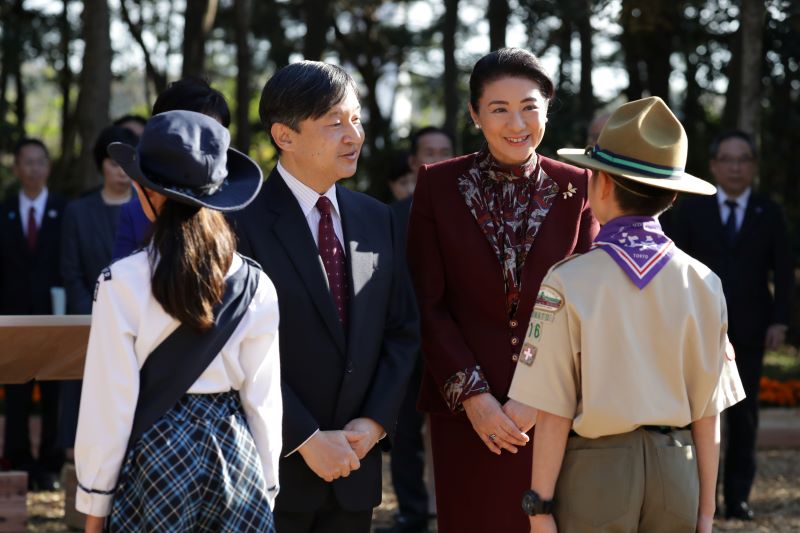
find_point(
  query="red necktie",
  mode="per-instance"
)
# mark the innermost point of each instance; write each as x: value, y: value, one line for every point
x: 332, y: 253
x: 33, y: 231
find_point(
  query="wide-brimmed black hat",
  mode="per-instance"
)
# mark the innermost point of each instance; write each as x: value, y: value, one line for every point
x: 186, y: 156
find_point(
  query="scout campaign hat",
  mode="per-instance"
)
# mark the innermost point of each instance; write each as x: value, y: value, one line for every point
x: 186, y: 156
x: 642, y: 141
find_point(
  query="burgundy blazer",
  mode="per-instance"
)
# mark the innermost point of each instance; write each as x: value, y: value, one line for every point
x: 459, y: 281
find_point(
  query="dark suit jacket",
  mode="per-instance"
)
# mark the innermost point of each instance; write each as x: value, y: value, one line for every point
x: 131, y: 229
x: 88, y: 232
x: 459, y: 281
x: 761, y: 248
x: 330, y: 376
x: 25, y: 276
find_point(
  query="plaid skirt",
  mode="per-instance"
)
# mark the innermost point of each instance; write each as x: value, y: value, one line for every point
x: 196, y: 469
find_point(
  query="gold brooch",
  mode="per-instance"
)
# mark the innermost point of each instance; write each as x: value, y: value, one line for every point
x: 570, y: 191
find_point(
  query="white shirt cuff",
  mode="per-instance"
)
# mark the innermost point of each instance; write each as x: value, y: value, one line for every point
x: 302, y: 444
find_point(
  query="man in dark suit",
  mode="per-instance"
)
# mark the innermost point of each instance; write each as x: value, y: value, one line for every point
x: 741, y: 235
x: 30, y: 233
x: 348, y: 326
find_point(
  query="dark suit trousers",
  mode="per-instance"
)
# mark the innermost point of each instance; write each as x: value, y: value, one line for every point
x: 739, y: 468
x: 17, y: 440
x: 330, y: 518
x: 408, y: 454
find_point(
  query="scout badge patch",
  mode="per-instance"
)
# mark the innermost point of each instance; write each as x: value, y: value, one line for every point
x: 547, y: 304
x: 638, y: 245
x: 528, y: 354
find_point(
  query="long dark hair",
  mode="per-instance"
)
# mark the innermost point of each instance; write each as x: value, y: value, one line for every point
x: 192, y: 250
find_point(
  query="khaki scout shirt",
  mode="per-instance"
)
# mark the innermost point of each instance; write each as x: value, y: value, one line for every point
x: 613, y: 357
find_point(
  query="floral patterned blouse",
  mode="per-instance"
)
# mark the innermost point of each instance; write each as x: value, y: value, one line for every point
x: 509, y: 204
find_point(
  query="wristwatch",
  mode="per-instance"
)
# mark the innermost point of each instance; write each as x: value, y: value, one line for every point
x: 533, y: 504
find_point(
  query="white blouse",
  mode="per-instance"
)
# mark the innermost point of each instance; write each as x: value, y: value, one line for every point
x: 127, y: 324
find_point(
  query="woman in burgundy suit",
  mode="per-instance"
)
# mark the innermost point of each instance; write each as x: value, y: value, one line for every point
x: 484, y: 230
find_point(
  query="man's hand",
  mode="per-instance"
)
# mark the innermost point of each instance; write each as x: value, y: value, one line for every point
x: 496, y: 430
x: 776, y: 335
x: 543, y: 523
x: 364, y: 433
x: 329, y: 455
x: 524, y: 416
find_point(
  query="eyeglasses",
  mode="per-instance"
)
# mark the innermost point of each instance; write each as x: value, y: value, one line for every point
x: 732, y: 161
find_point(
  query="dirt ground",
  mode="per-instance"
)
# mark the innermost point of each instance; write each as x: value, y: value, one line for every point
x: 775, y: 499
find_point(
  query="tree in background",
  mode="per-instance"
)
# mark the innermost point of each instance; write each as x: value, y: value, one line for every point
x: 199, y: 18
x: 91, y: 112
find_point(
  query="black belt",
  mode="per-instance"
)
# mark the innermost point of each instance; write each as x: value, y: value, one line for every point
x: 662, y: 429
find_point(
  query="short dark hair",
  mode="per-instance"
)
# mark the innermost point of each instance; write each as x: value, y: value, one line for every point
x: 193, y: 94
x: 634, y: 198
x: 300, y: 91
x: 109, y: 135
x: 508, y: 63
x: 713, y: 149
x: 29, y: 141
x: 139, y: 119
x: 399, y: 166
x: 417, y: 135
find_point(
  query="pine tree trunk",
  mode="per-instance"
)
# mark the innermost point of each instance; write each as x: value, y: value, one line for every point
x: 451, y: 103
x: 318, y: 22
x: 752, y: 27
x: 95, y: 87
x: 244, y: 64
x: 497, y: 13
x: 199, y: 19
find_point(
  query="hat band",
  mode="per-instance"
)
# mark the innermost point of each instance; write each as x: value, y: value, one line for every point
x: 627, y: 163
x: 194, y: 192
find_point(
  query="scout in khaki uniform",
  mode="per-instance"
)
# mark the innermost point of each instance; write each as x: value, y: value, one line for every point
x: 627, y: 356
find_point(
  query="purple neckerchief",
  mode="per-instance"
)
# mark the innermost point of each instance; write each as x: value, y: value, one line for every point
x: 638, y: 245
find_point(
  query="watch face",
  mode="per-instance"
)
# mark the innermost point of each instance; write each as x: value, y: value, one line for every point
x: 529, y: 502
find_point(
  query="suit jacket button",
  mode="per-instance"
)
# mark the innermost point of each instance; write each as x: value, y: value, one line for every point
x: 514, y: 341
x: 514, y: 357
x: 513, y: 323
x: 349, y: 367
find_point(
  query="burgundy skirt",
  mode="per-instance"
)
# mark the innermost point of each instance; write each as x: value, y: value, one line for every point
x: 476, y: 490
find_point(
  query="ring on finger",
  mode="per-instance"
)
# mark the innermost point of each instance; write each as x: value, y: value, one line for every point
x: 493, y: 437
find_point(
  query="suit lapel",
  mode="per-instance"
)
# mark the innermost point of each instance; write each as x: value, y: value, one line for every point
x: 15, y: 223
x: 751, y: 214
x: 49, y: 220
x: 291, y: 229
x: 714, y: 221
x: 360, y: 262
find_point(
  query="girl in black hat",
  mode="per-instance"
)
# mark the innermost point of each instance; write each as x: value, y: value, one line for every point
x: 180, y: 420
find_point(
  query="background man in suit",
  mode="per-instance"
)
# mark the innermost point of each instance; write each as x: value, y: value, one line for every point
x: 348, y: 327
x: 30, y: 232
x: 428, y: 145
x: 741, y: 235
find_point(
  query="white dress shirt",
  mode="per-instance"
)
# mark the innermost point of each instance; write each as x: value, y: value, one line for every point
x: 741, y: 202
x: 39, y: 203
x: 127, y: 325
x: 307, y: 198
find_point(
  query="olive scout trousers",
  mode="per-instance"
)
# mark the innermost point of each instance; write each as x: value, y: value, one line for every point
x: 645, y: 480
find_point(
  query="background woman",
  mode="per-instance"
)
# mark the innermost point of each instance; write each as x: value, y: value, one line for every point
x: 484, y: 230
x: 210, y: 462
x: 84, y: 257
